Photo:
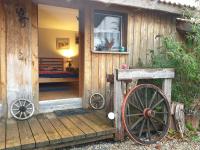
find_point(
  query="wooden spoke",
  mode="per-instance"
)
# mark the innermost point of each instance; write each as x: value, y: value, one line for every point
x: 142, y: 127
x: 17, y: 113
x: 136, y: 123
x: 158, y: 120
x: 131, y: 115
x: 158, y: 103
x: 144, y: 122
x: 153, y: 125
x: 16, y: 105
x: 135, y: 106
x: 153, y: 97
x: 148, y: 128
x: 20, y: 104
x: 146, y: 102
x: 20, y: 114
x: 161, y: 113
x: 139, y: 99
x: 28, y: 104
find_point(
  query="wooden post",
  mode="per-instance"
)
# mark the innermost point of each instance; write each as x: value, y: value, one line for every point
x: 166, y: 87
x: 3, y: 98
x: 118, y: 99
x: 19, y: 53
x: 34, y: 51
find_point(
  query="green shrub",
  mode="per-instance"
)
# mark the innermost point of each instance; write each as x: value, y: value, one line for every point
x: 185, y: 58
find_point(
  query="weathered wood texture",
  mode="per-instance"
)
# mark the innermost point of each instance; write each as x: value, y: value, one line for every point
x: 118, y: 100
x: 144, y: 31
x: 123, y: 74
x: 144, y: 4
x: 34, y: 49
x: 3, y: 99
x: 48, y: 131
x: 21, y: 52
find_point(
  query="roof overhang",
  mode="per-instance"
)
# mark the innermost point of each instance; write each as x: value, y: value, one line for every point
x: 141, y: 4
x: 146, y: 4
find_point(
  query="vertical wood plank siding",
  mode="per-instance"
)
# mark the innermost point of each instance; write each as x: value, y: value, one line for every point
x: 3, y: 99
x: 21, y: 52
x: 34, y: 49
x: 19, y: 48
x: 143, y: 28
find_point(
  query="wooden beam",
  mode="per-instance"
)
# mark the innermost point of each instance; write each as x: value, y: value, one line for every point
x: 183, y: 25
x: 3, y: 83
x: 34, y: 51
x: 124, y: 74
x: 145, y: 4
x: 53, y: 105
x: 166, y: 87
x: 118, y: 99
x: 18, y: 52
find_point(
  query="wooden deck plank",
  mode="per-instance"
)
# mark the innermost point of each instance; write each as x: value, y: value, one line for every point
x: 103, y: 116
x: 83, y: 126
x: 26, y: 136
x: 38, y: 133
x: 104, y: 125
x: 2, y: 135
x: 60, y: 128
x: 12, y: 135
x: 50, y: 131
x: 98, y: 129
x: 76, y: 132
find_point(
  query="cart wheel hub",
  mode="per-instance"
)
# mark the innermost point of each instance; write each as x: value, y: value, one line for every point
x: 148, y: 113
x: 22, y: 109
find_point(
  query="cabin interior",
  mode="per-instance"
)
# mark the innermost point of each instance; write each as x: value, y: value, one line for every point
x: 58, y: 52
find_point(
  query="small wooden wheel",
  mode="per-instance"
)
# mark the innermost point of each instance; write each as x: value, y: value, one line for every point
x: 97, y: 101
x: 22, y: 109
x: 146, y: 114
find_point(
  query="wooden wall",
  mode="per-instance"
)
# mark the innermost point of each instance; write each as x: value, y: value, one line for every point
x: 143, y: 28
x: 19, y: 48
x: 2, y: 58
x: 20, y: 51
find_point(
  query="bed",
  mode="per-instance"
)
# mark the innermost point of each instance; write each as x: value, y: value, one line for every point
x: 51, y: 70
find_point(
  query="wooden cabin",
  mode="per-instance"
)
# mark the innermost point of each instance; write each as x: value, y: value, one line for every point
x: 58, y: 53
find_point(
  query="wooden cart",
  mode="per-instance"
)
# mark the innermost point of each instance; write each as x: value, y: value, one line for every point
x: 144, y: 111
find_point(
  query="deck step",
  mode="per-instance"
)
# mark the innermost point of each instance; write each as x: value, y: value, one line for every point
x: 46, y: 131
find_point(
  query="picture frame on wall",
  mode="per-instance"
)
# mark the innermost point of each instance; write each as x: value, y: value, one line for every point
x: 62, y: 43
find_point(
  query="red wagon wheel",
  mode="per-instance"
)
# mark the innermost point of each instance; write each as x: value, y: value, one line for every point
x: 145, y: 114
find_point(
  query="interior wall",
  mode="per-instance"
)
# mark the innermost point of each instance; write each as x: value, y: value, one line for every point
x: 47, y: 44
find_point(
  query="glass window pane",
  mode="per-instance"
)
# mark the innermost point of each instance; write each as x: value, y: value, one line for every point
x: 107, y: 32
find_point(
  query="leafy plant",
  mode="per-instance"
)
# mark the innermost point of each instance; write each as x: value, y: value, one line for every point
x: 190, y: 127
x: 185, y: 58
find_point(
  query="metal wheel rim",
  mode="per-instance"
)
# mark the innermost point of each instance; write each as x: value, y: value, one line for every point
x: 93, y: 103
x: 136, y: 137
x: 22, y: 109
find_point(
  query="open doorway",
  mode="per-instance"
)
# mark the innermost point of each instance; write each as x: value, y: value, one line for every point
x: 58, y: 52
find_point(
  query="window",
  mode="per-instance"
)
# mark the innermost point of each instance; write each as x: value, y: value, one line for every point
x: 109, y: 32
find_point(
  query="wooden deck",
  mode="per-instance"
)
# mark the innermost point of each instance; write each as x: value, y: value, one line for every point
x: 48, y: 131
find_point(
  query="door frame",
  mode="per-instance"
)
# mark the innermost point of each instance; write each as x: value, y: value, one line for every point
x: 68, y: 103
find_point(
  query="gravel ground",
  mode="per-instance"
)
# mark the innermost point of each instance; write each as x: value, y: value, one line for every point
x: 130, y: 145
